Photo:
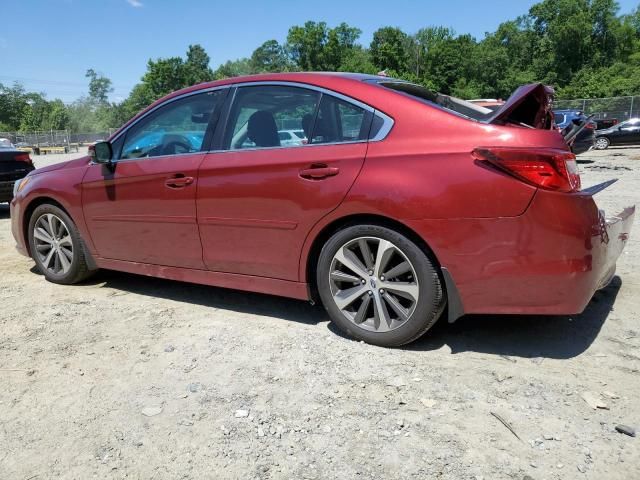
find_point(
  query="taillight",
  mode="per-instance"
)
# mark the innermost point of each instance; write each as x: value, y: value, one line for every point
x: 22, y: 157
x: 590, y: 126
x: 542, y: 167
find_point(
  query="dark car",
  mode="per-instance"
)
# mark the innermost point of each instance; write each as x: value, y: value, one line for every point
x: 403, y: 203
x: 625, y: 133
x: 604, y: 123
x: 14, y: 165
x: 568, y: 121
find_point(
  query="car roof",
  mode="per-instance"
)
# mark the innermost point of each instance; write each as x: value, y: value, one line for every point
x: 356, y: 83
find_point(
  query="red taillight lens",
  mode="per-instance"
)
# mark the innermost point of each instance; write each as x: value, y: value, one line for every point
x: 545, y: 168
x: 22, y: 157
x: 590, y: 126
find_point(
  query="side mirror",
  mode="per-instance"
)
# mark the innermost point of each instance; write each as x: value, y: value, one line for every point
x: 101, y: 152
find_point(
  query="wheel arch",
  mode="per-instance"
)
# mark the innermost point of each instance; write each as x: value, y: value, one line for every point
x: 311, y: 261
x: 28, y: 212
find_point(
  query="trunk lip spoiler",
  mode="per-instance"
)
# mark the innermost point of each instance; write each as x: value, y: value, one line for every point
x: 599, y: 187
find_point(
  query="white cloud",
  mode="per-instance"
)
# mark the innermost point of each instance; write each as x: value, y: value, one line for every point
x: 135, y: 3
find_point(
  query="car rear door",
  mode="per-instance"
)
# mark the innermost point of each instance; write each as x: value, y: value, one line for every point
x: 258, y: 199
x: 142, y: 208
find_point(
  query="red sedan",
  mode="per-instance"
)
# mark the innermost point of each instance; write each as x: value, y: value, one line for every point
x: 391, y: 205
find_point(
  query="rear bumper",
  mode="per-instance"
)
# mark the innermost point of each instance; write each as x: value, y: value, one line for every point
x: 550, y: 260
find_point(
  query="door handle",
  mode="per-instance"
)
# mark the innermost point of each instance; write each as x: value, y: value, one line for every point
x: 318, y: 172
x: 178, y: 181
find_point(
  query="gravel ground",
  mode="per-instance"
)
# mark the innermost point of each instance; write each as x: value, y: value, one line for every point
x: 128, y: 376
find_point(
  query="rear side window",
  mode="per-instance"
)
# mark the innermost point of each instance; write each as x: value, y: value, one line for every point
x: 261, y: 114
x: 339, y: 121
x: 558, y: 118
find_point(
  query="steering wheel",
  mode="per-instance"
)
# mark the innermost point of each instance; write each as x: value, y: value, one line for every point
x: 176, y: 144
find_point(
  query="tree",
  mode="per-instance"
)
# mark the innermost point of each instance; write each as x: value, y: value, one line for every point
x: 315, y: 47
x: 99, y: 87
x: 13, y: 101
x: 389, y: 49
x: 197, y: 68
x: 305, y: 45
x: 234, y: 68
x: 269, y: 57
x: 341, y: 41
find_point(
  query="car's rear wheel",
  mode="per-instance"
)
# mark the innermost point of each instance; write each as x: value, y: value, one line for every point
x: 602, y: 143
x: 56, y: 246
x: 378, y: 286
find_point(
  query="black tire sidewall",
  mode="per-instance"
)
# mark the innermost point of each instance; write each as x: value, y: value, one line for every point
x: 430, y: 290
x: 77, y: 263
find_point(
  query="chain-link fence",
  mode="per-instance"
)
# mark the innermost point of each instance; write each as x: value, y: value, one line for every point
x: 54, y: 141
x: 614, y: 108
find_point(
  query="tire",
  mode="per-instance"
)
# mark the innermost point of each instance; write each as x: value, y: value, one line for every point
x: 602, y: 143
x: 66, y: 244
x: 355, y: 292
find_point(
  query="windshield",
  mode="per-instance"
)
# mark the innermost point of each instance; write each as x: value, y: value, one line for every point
x: 453, y: 104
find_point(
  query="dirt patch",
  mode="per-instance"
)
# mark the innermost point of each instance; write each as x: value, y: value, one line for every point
x: 127, y: 376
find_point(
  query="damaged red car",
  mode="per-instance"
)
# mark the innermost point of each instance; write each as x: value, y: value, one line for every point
x: 390, y: 204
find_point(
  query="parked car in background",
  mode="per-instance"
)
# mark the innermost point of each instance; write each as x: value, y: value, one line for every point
x: 568, y: 120
x: 625, y: 133
x: 604, y: 123
x: 292, y: 137
x: 402, y: 205
x: 14, y: 165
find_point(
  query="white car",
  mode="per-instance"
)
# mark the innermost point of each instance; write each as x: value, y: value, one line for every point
x: 292, y: 137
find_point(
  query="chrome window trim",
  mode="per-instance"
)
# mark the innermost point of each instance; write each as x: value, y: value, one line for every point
x: 387, y: 123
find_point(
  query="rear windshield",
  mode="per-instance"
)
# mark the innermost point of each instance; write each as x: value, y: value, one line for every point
x: 447, y: 102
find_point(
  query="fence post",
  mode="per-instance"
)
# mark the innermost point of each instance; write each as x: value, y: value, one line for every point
x: 631, y: 109
x: 584, y: 104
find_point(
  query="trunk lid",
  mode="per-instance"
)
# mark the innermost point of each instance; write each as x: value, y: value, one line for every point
x: 530, y: 106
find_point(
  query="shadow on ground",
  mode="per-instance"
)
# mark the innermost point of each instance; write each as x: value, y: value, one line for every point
x: 526, y: 336
x: 558, y: 337
x: 234, y: 300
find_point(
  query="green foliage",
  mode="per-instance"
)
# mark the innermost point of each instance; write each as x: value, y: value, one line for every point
x: 584, y: 48
x: 388, y: 49
x: 270, y: 57
x: 99, y: 87
x: 316, y: 47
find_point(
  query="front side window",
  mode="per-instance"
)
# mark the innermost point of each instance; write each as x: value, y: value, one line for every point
x: 177, y: 128
x: 263, y: 116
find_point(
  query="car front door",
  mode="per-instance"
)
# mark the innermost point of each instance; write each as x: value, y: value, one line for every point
x: 142, y: 207
x: 258, y: 199
x: 630, y: 132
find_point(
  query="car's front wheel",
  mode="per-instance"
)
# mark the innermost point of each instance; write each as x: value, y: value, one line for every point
x: 602, y: 143
x: 56, y: 246
x: 378, y: 286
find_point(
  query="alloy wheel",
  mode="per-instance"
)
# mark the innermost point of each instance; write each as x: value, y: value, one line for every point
x: 53, y: 244
x: 602, y: 143
x: 373, y: 284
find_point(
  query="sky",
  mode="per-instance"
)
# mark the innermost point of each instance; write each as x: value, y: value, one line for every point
x: 48, y: 45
